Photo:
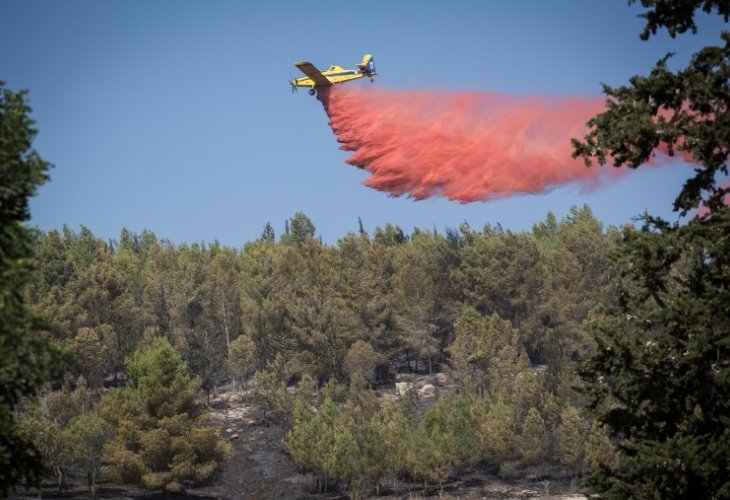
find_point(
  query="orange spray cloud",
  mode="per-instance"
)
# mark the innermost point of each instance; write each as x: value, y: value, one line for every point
x: 466, y: 146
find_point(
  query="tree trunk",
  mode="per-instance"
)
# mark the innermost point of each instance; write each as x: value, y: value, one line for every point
x: 59, y: 480
x: 93, y: 484
x: 225, y: 319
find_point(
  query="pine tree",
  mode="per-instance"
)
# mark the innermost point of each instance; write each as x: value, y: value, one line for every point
x: 497, y: 430
x: 300, y: 229
x: 241, y: 358
x: 571, y: 438
x: 395, y: 430
x: 91, y: 355
x: 28, y: 358
x: 533, y: 440
x: 361, y: 359
x: 270, y: 391
x: 163, y: 440
x: 373, y: 449
x: 427, y: 451
x: 599, y: 452
x: 462, y: 438
x: 303, y: 440
x: 267, y: 234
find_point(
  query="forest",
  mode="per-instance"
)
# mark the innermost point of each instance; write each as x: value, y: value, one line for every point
x: 391, y: 359
x: 502, y: 313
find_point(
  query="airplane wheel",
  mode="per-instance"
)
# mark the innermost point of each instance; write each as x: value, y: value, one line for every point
x: 311, y: 92
x: 372, y: 80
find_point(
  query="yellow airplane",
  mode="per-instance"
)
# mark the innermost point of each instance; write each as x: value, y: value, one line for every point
x: 317, y: 79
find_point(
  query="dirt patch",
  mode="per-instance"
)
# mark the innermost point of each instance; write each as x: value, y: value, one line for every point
x: 259, y: 467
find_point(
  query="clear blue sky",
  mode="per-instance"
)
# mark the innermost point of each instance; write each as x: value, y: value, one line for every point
x: 176, y: 116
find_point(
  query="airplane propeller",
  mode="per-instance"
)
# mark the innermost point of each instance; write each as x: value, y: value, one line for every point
x: 294, y: 88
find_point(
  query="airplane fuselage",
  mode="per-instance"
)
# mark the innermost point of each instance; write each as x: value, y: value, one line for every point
x: 335, y: 74
x: 315, y: 79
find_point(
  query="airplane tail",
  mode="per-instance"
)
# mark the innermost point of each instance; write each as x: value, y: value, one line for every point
x: 367, y: 65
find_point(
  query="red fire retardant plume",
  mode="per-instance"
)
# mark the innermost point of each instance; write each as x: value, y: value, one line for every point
x: 466, y: 146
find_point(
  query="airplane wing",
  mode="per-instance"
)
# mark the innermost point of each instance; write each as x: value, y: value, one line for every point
x: 312, y: 72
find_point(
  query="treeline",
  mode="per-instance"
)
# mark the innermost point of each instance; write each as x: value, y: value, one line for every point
x: 311, y: 302
x: 502, y: 313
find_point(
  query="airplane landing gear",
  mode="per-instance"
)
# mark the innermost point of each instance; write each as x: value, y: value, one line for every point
x: 311, y: 92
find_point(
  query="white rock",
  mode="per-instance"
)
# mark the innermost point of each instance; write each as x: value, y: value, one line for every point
x: 401, y: 388
x: 427, y: 391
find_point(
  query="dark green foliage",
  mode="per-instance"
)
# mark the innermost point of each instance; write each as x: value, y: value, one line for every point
x: 28, y: 358
x: 427, y: 454
x: 660, y: 375
x: 684, y: 112
x: 677, y: 15
x: 267, y: 234
x: 301, y: 229
x: 461, y: 431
